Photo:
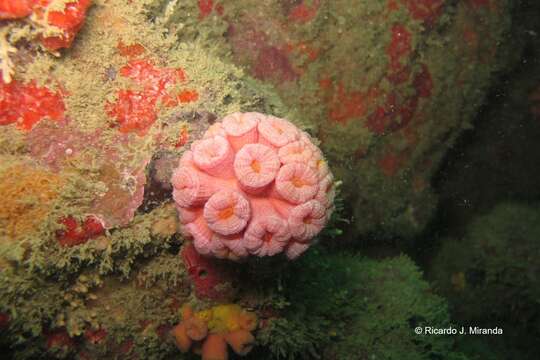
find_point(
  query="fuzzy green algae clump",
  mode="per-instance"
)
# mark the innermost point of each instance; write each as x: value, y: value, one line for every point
x: 345, y: 307
x: 28, y: 192
x: 490, y: 275
x: 387, y: 95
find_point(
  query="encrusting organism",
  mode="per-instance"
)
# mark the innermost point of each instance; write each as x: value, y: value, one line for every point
x: 54, y: 23
x: 254, y: 185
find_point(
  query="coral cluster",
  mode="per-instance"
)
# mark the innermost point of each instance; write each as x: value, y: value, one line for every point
x: 209, y: 331
x: 254, y: 185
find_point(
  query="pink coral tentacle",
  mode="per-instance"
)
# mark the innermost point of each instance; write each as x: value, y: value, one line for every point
x: 192, y: 187
x: 326, y: 193
x: 268, y: 232
x: 267, y: 236
x: 241, y: 129
x: 255, y: 167
x: 227, y: 212
x: 296, y: 151
x: 307, y: 220
x: 215, y: 130
x: 295, y: 249
x: 214, y: 156
x: 276, y: 132
x: 235, y: 244
x: 201, y: 234
x: 297, y: 183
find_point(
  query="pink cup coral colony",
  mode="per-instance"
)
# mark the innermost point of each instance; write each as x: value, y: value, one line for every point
x: 254, y: 185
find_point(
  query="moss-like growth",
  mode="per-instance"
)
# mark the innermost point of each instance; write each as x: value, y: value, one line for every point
x: 490, y: 275
x: 343, y: 307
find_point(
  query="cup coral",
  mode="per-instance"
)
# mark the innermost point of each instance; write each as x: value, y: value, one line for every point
x: 254, y: 185
x: 222, y: 325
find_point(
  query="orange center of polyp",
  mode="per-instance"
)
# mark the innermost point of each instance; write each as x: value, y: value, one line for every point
x: 307, y: 221
x: 267, y: 237
x: 211, y: 151
x: 297, y: 182
x: 226, y: 213
x: 278, y: 129
x: 256, y: 166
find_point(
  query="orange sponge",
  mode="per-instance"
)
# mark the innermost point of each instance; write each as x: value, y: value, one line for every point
x: 183, y: 341
x: 214, y: 348
x: 241, y: 341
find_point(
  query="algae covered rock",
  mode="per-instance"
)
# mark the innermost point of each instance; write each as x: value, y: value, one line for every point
x: 89, y: 264
x: 345, y: 307
x: 386, y: 85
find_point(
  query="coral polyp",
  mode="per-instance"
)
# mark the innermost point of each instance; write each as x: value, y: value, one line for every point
x: 212, y: 329
x: 254, y: 185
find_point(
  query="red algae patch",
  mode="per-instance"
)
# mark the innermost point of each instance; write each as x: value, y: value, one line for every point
x: 136, y: 110
x: 27, y: 104
x: 75, y: 233
x: 69, y: 21
x: 59, y: 25
x: 10, y: 9
x: 303, y: 13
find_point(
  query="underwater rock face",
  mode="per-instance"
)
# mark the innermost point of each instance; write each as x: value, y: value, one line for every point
x: 254, y: 185
x: 90, y: 264
x: 387, y: 85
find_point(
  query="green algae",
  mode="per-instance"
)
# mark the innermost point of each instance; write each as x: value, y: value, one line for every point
x: 495, y: 262
x: 339, y: 305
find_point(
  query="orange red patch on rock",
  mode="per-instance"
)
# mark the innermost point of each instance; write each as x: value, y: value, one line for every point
x: 10, y: 9
x: 135, y: 110
x: 130, y: 50
x: 75, y: 233
x: 207, y: 6
x: 27, y: 104
x: 303, y: 13
x: 69, y: 21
